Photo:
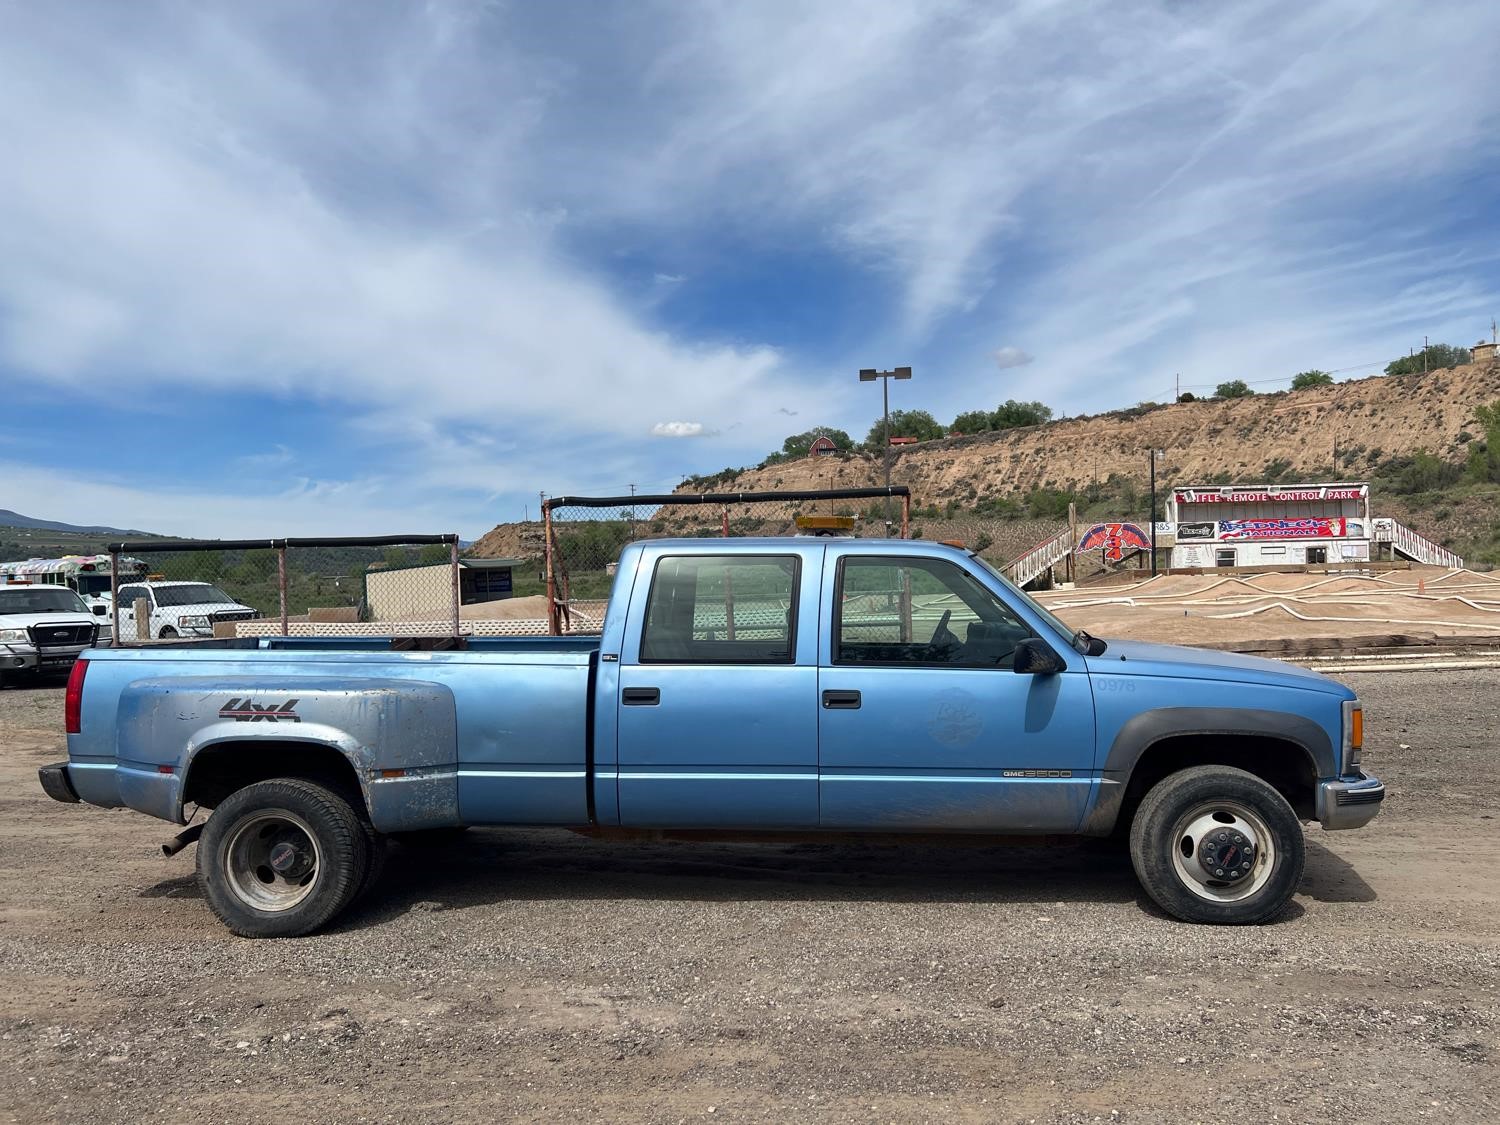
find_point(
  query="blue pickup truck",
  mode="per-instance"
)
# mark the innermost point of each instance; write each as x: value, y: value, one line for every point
x: 765, y: 686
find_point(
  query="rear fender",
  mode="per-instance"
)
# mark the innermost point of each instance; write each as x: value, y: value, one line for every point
x: 400, y: 737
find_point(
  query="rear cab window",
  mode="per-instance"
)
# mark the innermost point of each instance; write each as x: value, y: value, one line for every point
x: 722, y: 609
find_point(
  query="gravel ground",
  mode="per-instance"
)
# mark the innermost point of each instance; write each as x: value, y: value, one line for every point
x: 538, y: 976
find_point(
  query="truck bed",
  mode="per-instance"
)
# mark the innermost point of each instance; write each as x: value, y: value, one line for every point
x: 510, y: 716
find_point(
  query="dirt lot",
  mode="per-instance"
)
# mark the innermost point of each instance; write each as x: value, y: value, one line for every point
x: 538, y: 976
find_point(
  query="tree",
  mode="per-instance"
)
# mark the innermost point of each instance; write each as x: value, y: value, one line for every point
x: 1011, y: 414
x: 972, y: 422
x: 904, y: 423
x: 1430, y: 358
x: 798, y: 444
x: 1187, y: 396
x: 1313, y: 378
x: 1484, y: 456
x: 1235, y: 388
x: 435, y: 553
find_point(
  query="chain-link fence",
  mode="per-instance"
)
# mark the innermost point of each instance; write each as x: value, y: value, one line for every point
x: 398, y: 585
x: 583, y: 535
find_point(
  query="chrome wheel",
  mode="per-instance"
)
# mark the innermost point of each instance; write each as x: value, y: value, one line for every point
x: 1222, y: 851
x: 272, y: 860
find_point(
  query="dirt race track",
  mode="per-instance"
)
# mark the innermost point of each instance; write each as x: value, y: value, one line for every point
x: 538, y: 976
x: 1210, y: 608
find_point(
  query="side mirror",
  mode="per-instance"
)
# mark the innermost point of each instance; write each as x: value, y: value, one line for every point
x: 1033, y: 658
x: 99, y: 610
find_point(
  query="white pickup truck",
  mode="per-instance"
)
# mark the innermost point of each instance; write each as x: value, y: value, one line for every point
x: 177, y: 609
x: 43, y: 628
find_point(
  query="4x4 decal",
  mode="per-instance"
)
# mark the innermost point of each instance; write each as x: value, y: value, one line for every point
x: 248, y: 711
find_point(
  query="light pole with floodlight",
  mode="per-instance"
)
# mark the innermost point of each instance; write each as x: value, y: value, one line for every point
x: 869, y: 375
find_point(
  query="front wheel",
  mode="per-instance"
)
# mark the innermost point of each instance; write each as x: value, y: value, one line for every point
x: 167, y: 633
x: 280, y: 858
x: 1217, y: 844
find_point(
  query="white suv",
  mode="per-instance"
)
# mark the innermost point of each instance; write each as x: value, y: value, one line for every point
x: 177, y: 609
x: 43, y: 628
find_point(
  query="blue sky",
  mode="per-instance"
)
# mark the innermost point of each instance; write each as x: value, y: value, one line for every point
x: 298, y: 269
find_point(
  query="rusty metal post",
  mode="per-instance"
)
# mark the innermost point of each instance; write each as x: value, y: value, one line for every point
x: 281, y: 586
x: 905, y: 516
x: 726, y: 523
x: 114, y: 598
x: 906, y: 607
x: 457, y: 582
x: 728, y: 605
x: 554, y: 623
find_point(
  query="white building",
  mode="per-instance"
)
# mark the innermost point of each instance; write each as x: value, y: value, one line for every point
x: 1270, y: 525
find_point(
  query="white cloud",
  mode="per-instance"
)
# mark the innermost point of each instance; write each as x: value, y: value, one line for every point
x: 173, y: 216
x: 449, y: 228
x: 1011, y: 357
x: 677, y: 429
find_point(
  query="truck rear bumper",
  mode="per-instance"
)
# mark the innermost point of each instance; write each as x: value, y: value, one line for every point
x: 57, y: 784
x: 1349, y: 804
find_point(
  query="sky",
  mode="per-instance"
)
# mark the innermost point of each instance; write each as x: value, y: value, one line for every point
x: 299, y: 269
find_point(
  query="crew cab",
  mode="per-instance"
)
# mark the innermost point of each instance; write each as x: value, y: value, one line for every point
x: 176, y: 609
x: 43, y: 628
x: 780, y: 686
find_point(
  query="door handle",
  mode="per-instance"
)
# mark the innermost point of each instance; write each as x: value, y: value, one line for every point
x: 640, y: 696
x: 841, y: 700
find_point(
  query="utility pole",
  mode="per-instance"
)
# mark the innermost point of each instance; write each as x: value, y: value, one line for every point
x: 869, y: 375
x: 632, y: 511
x: 1155, y: 453
x: 1177, y: 393
x: 1424, y: 355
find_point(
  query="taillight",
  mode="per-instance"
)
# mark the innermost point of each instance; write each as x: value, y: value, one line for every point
x: 73, y: 701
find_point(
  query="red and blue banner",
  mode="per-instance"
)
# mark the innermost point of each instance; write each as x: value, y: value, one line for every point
x: 1309, y: 527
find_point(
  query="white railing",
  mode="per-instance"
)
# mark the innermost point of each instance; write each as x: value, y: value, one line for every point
x: 1041, y: 558
x: 1416, y: 547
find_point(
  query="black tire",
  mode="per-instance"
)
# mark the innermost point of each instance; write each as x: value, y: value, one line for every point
x: 375, y: 857
x: 1191, y: 805
x: 167, y: 632
x: 432, y: 837
x: 316, y: 824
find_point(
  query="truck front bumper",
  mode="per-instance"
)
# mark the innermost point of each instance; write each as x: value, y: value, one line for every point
x: 14, y: 658
x: 57, y: 784
x: 1349, y: 803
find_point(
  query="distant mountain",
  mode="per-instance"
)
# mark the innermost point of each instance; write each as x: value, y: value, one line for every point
x: 16, y: 519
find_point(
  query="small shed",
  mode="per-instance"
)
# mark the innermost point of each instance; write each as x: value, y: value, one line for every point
x: 1482, y: 352
x: 407, y: 593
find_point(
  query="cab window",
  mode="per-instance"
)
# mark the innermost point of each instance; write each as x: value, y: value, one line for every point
x: 721, y: 609
x: 129, y: 595
x: 920, y: 611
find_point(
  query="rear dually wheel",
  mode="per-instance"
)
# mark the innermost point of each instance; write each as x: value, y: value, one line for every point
x: 281, y: 858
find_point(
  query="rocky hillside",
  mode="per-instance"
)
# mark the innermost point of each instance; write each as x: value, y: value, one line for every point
x: 1289, y: 436
x: 1347, y: 431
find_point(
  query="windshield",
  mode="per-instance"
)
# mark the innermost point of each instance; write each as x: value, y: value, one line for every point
x: 1040, y: 610
x: 92, y: 585
x: 40, y: 600
x: 198, y: 593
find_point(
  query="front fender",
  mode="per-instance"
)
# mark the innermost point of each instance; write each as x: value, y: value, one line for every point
x: 1144, y: 730
x: 399, y: 736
